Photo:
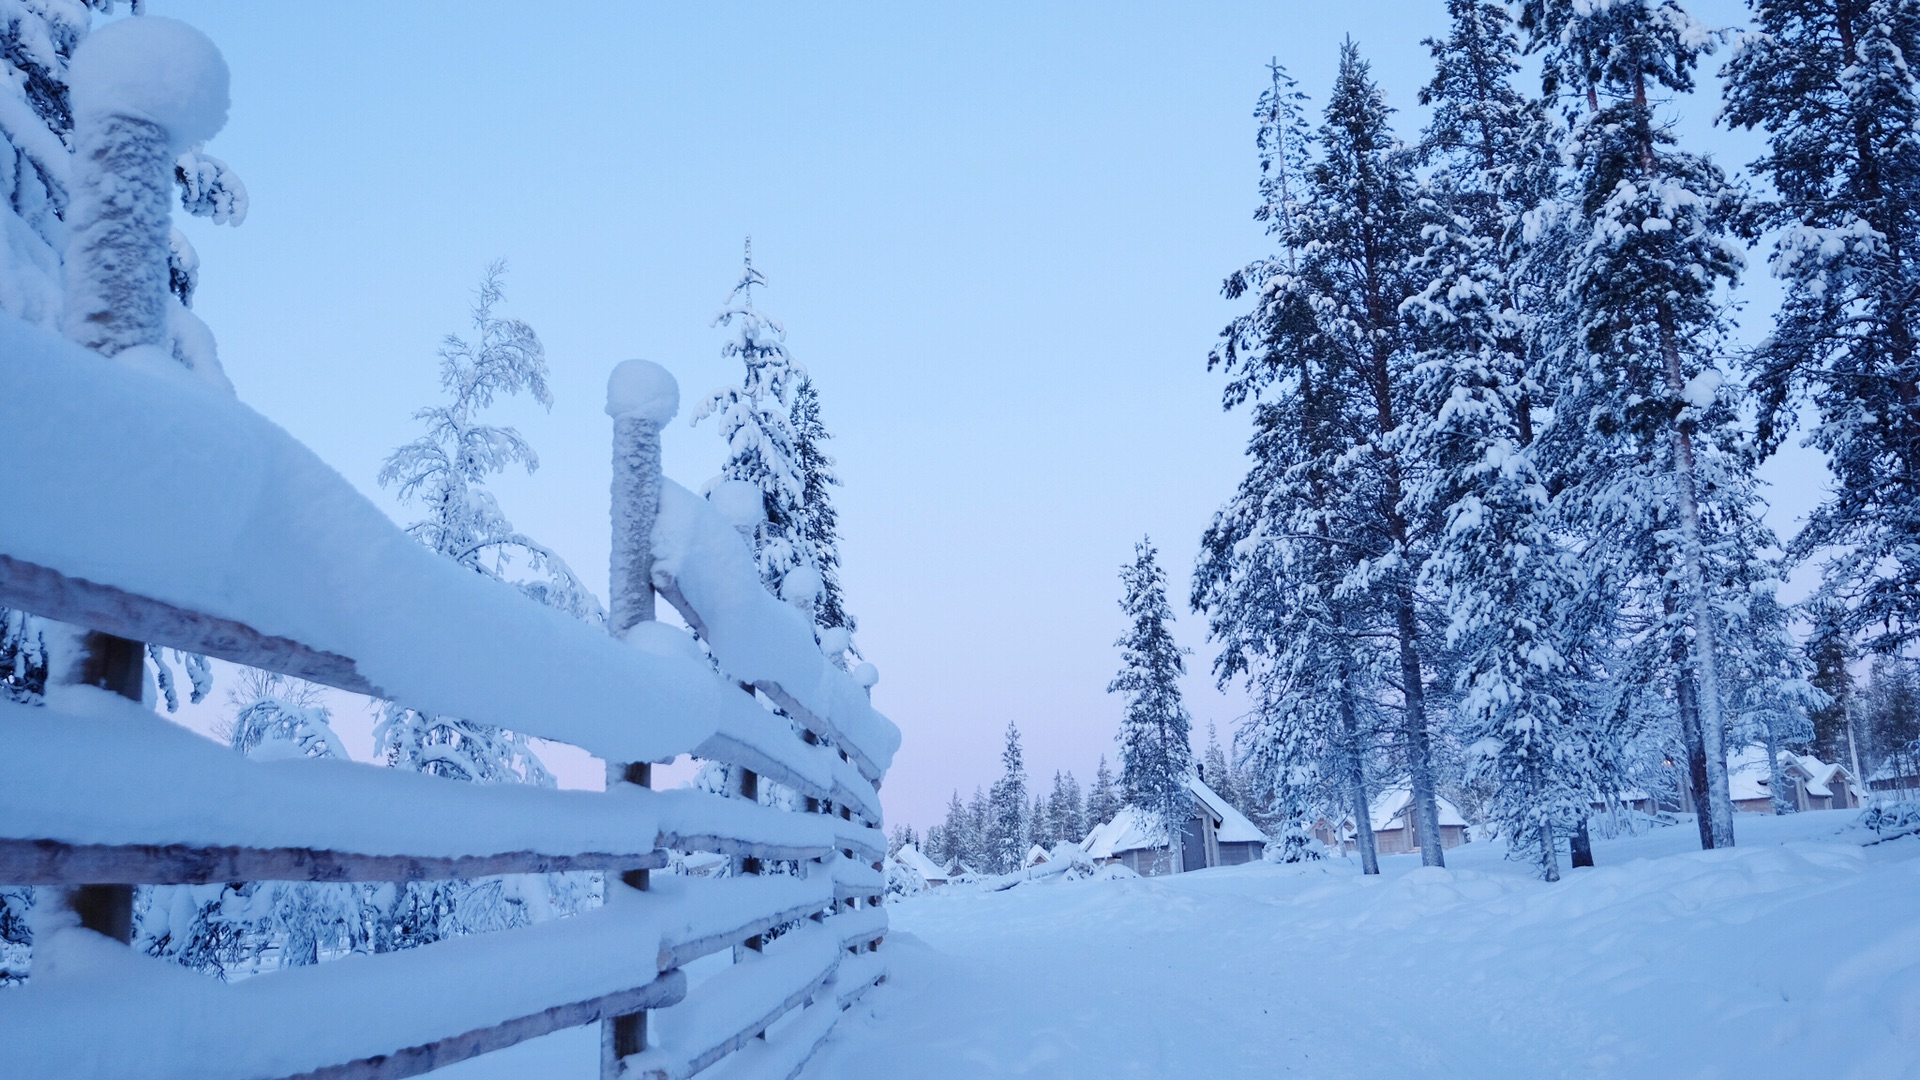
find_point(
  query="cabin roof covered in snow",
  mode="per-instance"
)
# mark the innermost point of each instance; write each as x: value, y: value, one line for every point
x: 1130, y: 830
x: 1230, y: 825
x: 1393, y: 808
x: 1749, y: 778
x: 911, y: 857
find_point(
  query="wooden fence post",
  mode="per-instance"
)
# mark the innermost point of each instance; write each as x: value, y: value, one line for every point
x: 140, y: 95
x: 641, y: 398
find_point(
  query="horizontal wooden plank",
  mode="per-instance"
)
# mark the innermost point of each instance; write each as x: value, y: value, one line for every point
x: 27, y: 586
x: 103, y: 805
x: 49, y: 862
x: 666, y: 990
x: 103, y: 1010
x: 721, y: 913
x: 786, y: 1051
x: 733, y: 1006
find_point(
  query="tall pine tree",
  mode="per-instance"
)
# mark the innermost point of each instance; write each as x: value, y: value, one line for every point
x: 1007, y: 826
x: 1504, y: 580
x: 1156, y: 751
x: 1657, y: 473
x: 1318, y: 539
x: 755, y: 419
x: 819, y: 522
x: 1832, y: 84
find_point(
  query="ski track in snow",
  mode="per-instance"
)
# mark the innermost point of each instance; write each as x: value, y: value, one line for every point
x: 1794, y: 954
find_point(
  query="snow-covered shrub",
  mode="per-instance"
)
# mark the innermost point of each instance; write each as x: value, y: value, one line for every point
x: 1295, y: 845
x: 1891, y: 821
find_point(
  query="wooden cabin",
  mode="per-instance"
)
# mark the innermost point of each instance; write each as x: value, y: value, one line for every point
x: 1215, y: 835
x: 1812, y: 784
x: 1392, y: 818
x: 910, y: 858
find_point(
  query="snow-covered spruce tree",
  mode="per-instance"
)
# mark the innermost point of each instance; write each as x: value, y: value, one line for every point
x: 1658, y: 471
x: 445, y: 472
x: 755, y: 419
x: 979, y: 850
x: 1335, y: 294
x: 819, y: 523
x: 1314, y: 562
x: 1890, y: 718
x: 1504, y: 580
x: 1066, y: 811
x: 948, y: 844
x: 1102, y: 803
x: 1156, y: 751
x: 1830, y: 648
x: 1007, y: 832
x: 1832, y: 84
x: 1268, y: 577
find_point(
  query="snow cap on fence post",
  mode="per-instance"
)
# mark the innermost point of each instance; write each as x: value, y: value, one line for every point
x: 641, y: 398
x: 143, y: 90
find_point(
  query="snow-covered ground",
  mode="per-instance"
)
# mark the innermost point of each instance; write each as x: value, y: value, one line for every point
x: 1795, y: 954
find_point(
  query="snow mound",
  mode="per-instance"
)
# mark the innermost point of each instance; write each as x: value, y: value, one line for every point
x: 741, y: 503
x: 644, y: 390
x: 156, y: 69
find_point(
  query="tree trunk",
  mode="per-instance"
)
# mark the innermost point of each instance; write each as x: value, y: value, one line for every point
x: 1549, y: 858
x: 1582, y: 844
x: 1358, y: 803
x: 1776, y: 776
x: 1719, y: 804
x: 1426, y: 807
x: 1688, y: 702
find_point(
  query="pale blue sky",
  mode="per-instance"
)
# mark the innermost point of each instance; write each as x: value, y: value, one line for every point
x: 995, y: 233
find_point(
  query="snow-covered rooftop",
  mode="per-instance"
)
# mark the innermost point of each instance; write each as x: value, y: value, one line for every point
x: 910, y: 857
x: 1230, y: 825
x: 1393, y: 809
x: 1131, y: 830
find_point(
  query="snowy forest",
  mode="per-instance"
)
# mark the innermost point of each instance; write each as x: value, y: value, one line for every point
x: 1500, y: 538
x: 1492, y: 721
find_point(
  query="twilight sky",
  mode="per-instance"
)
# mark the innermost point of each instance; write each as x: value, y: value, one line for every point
x: 995, y: 235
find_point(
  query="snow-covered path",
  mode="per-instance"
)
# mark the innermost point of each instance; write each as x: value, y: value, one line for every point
x: 1797, y: 953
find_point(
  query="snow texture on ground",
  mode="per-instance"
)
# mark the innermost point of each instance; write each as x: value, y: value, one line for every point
x: 1796, y: 953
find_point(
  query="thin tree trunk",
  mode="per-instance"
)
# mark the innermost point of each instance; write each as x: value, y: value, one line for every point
x: 1426, y: 807
x: 1357, y: 800
x: 1719, y: 808
x: 1549, y: 858
x: 1717, y: 813
x: 1582, y: 844
x: 1776, y: 776
x: 1688, y: 702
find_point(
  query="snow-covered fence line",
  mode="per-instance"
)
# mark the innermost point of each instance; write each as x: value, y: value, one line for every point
x: 284, y: 566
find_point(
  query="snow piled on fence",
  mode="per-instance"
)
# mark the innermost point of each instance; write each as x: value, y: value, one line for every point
x: 279, y: 541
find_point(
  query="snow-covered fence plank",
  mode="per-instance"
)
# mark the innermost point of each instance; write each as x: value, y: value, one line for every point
x: 704, y: 571
x: 387, y: 1015
x: 739, y: 1003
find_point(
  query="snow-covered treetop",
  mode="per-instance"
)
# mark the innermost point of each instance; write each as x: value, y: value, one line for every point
x: 156, y: 69
x: 761, y: 344
x: 642, y: 389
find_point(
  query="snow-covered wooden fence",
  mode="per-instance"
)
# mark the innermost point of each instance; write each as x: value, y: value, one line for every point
x: 145, y: 507
x: 283, y: 566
